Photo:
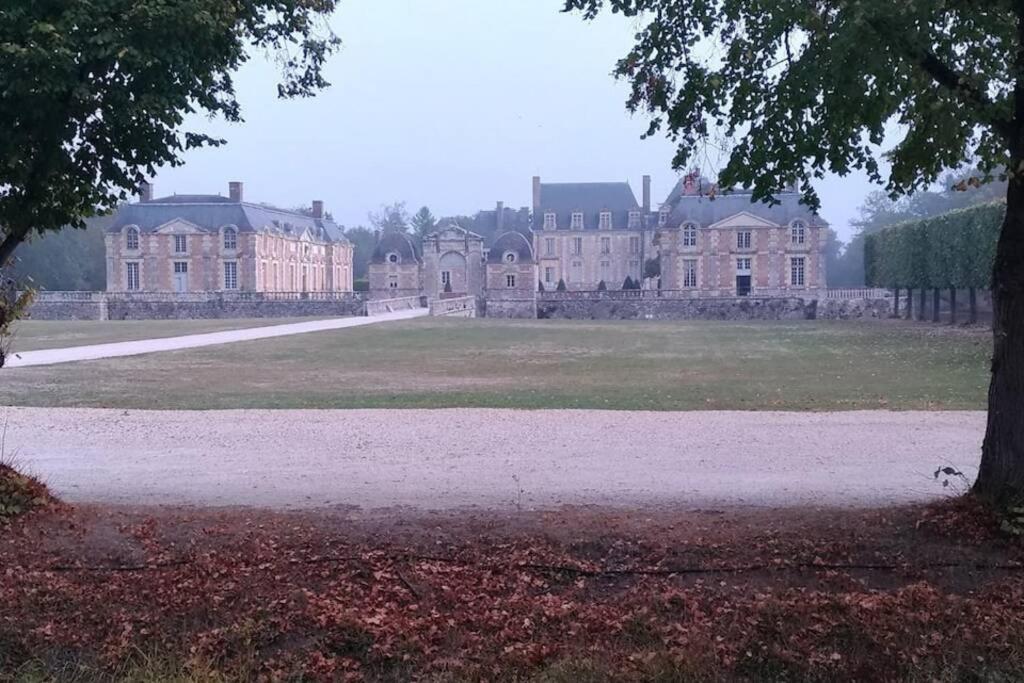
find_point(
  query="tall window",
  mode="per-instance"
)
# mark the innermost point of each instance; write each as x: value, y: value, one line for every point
x: 446, y: 278
x: 510, y: 281
x: 796, y: 271
x: 634, y: 245
x: 634, y: 268
x: 690, y: 235
x: 606, y: 245
x: 605, y: 221
x: 577, y: 246
x: 131, y: 239
x: 799, y: 232
x: 576, y: 274
x: 606, y: 270
x: 230, y: 275
x: 549, y: 246
x: 689, y: 272
x: 549, y: 274
x: 743, y: 239
x: 230, y: 239
x: 180, y: 244
x: 577, y: 221
x: 550, y: 222
x: 133, y: 276
x: 634, y: 220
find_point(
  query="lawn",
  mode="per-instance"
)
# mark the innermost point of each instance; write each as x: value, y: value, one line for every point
x: 435, y: 363
x: 33, y: 335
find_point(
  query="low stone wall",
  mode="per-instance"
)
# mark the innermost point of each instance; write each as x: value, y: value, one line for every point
x: 98, y: 306
x: 510, y: 308
x: 738, y: 308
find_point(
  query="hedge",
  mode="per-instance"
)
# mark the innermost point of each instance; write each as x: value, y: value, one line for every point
x: 955, y: 249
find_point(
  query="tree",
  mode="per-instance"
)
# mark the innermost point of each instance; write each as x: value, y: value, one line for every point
x: 561, y: 286
x: 652, y: 268
x: 363, y: 242
x: 795, y: 92
x: 390, y: 218
x: 93, y: 94
x: 627, y: 283
x: 65, y: 260
x: 540, y: 285
x: 602, y: 287
x: 423, y: 222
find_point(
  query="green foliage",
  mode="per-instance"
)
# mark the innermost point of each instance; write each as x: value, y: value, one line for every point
x: 93, y: 94
x: 72, y: 259
x: 955, y: 249
x: 14, y: 304
x: 19, y: 493
x: 363, y: 241
x: 540, y: 285
x: 652, y: 267
x: 628, y: 283
x: 561, y: 286
x: 361, y: 285
x: 602, y: 287
x: 423, y: 223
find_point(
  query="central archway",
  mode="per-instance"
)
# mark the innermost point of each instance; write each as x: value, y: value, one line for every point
x: 452, y: 271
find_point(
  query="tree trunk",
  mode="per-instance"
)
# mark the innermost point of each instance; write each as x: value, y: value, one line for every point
x: 896, y: 302
x: 952, y: 305
x: 1001, y: 474
x: 910, y: 303
x: 972, y: 296
x: 922, y: 300
x: 936, y: 304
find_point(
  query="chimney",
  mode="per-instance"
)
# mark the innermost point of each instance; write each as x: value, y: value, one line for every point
x: 235, y: 191
x: 146, y: 191
x: 500, y: 216
x: 536, y: 194
x: 318, y: 208
x: 690, y: 184
x: 647, y: 194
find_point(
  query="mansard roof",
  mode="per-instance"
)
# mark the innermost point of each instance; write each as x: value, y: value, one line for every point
x: 397, y: 242
x: 705, y: 211
x: 213, y: 212
x: 564, y: 199
x: 514, y: 242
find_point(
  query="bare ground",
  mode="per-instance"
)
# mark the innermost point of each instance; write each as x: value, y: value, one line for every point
x: 493, y: 459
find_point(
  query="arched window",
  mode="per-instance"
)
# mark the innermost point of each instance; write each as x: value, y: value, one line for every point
x: 230, y: 239
x: 689, y: 234
x: 799, y: 232
x: 131, y: 239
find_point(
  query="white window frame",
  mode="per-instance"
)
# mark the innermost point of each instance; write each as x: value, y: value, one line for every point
x: 690, y: 234
x: 577, y: 221
x: 663, y: 216
x: 744, y: 266
x: 132, y: 239
x: 744, y: 238
x: 231, y: 275
x: 576, y: 272
x: 798, y: 271
x: 233, y: 235
x: 183, y: 241
x: 634, y: 219
x: 605, y: 220
x: 798, y: 232
x: 392, y: 282
x: 549, y: 274
x: 550, y: 221
x: 446, y: 278
x: 689, y: 273
x: 133, y: 275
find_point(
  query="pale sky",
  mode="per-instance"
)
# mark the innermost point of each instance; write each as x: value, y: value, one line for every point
x: 454, y: 104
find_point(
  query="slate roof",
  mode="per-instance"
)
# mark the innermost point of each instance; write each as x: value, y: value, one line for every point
x: 512, y: 241
x: 563, y: 199
x: 212, y: 212
x: 397, y: 242
x: 706, y: 211
x: 486, y: 222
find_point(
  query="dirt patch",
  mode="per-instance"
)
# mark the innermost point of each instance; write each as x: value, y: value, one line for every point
x: 717, y: 594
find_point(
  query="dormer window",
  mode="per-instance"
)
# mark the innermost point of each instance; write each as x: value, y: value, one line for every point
x: 605, y: 220
x: 798, y: 232
x: 550, y: 222
x: 230, y: 239
x: 689, y: 234
x: 577, y: 220
x: 510, y: 257
x: 392, y: 257
x: 663, y: 216
x: 634, y: 219
x: 131, y: 239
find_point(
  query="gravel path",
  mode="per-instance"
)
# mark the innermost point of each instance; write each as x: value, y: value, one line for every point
x: 501, y: 459
x: 191, y: 341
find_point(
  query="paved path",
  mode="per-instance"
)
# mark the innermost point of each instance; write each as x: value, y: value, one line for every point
x: 501, y: 459
x: 191, y: 341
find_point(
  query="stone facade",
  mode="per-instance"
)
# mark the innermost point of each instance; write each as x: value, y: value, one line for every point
x: 453, y: 263
x: 209, y: 243
x: 396, y: 269
x: 511, y: 290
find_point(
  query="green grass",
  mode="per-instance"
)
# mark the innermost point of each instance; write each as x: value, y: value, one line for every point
x: 436, y: 363
x: 33, y: 335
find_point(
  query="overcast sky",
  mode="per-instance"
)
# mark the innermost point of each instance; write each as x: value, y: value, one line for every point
x: 453, y: 104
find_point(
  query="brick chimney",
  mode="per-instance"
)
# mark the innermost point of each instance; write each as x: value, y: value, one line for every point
x: 500, y: 216
x: 235, y: 191
x: 647, y: 194
x: 690, y: 183
x: 536, y: 194
x: 146, y: 191
x: 318, y: 208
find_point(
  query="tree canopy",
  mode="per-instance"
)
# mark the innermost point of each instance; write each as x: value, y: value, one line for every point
x: 94, y: 94
x: 423, y: 222
x: 390, y: 218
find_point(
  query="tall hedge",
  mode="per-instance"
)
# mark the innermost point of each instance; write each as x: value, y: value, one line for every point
x: 955, y: 249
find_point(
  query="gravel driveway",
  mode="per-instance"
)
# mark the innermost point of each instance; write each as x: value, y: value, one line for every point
x: 501, y: 459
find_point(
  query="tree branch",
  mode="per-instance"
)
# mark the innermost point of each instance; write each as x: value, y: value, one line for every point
x: 949, y: 78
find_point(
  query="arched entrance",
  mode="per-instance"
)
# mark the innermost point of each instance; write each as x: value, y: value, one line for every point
x: 452, y: 271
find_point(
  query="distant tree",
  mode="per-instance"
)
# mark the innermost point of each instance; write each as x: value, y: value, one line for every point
x: 627, y: 283
x: 67, y: 260
x: 561, y: 286
x: 652, y: 267
x: 540, y: 286
x: 390, y: 218
x: 363, y: 242
x: 602, y: 287
x: 423, y: 223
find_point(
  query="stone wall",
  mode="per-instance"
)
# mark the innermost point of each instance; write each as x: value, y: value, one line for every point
x: 100, y: 307
x: 737, y: 308
x: 507, y: 307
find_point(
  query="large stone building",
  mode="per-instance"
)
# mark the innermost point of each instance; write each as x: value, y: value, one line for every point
x: 729, y: 245
x: 184, y: 243
x: 589, y: 233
